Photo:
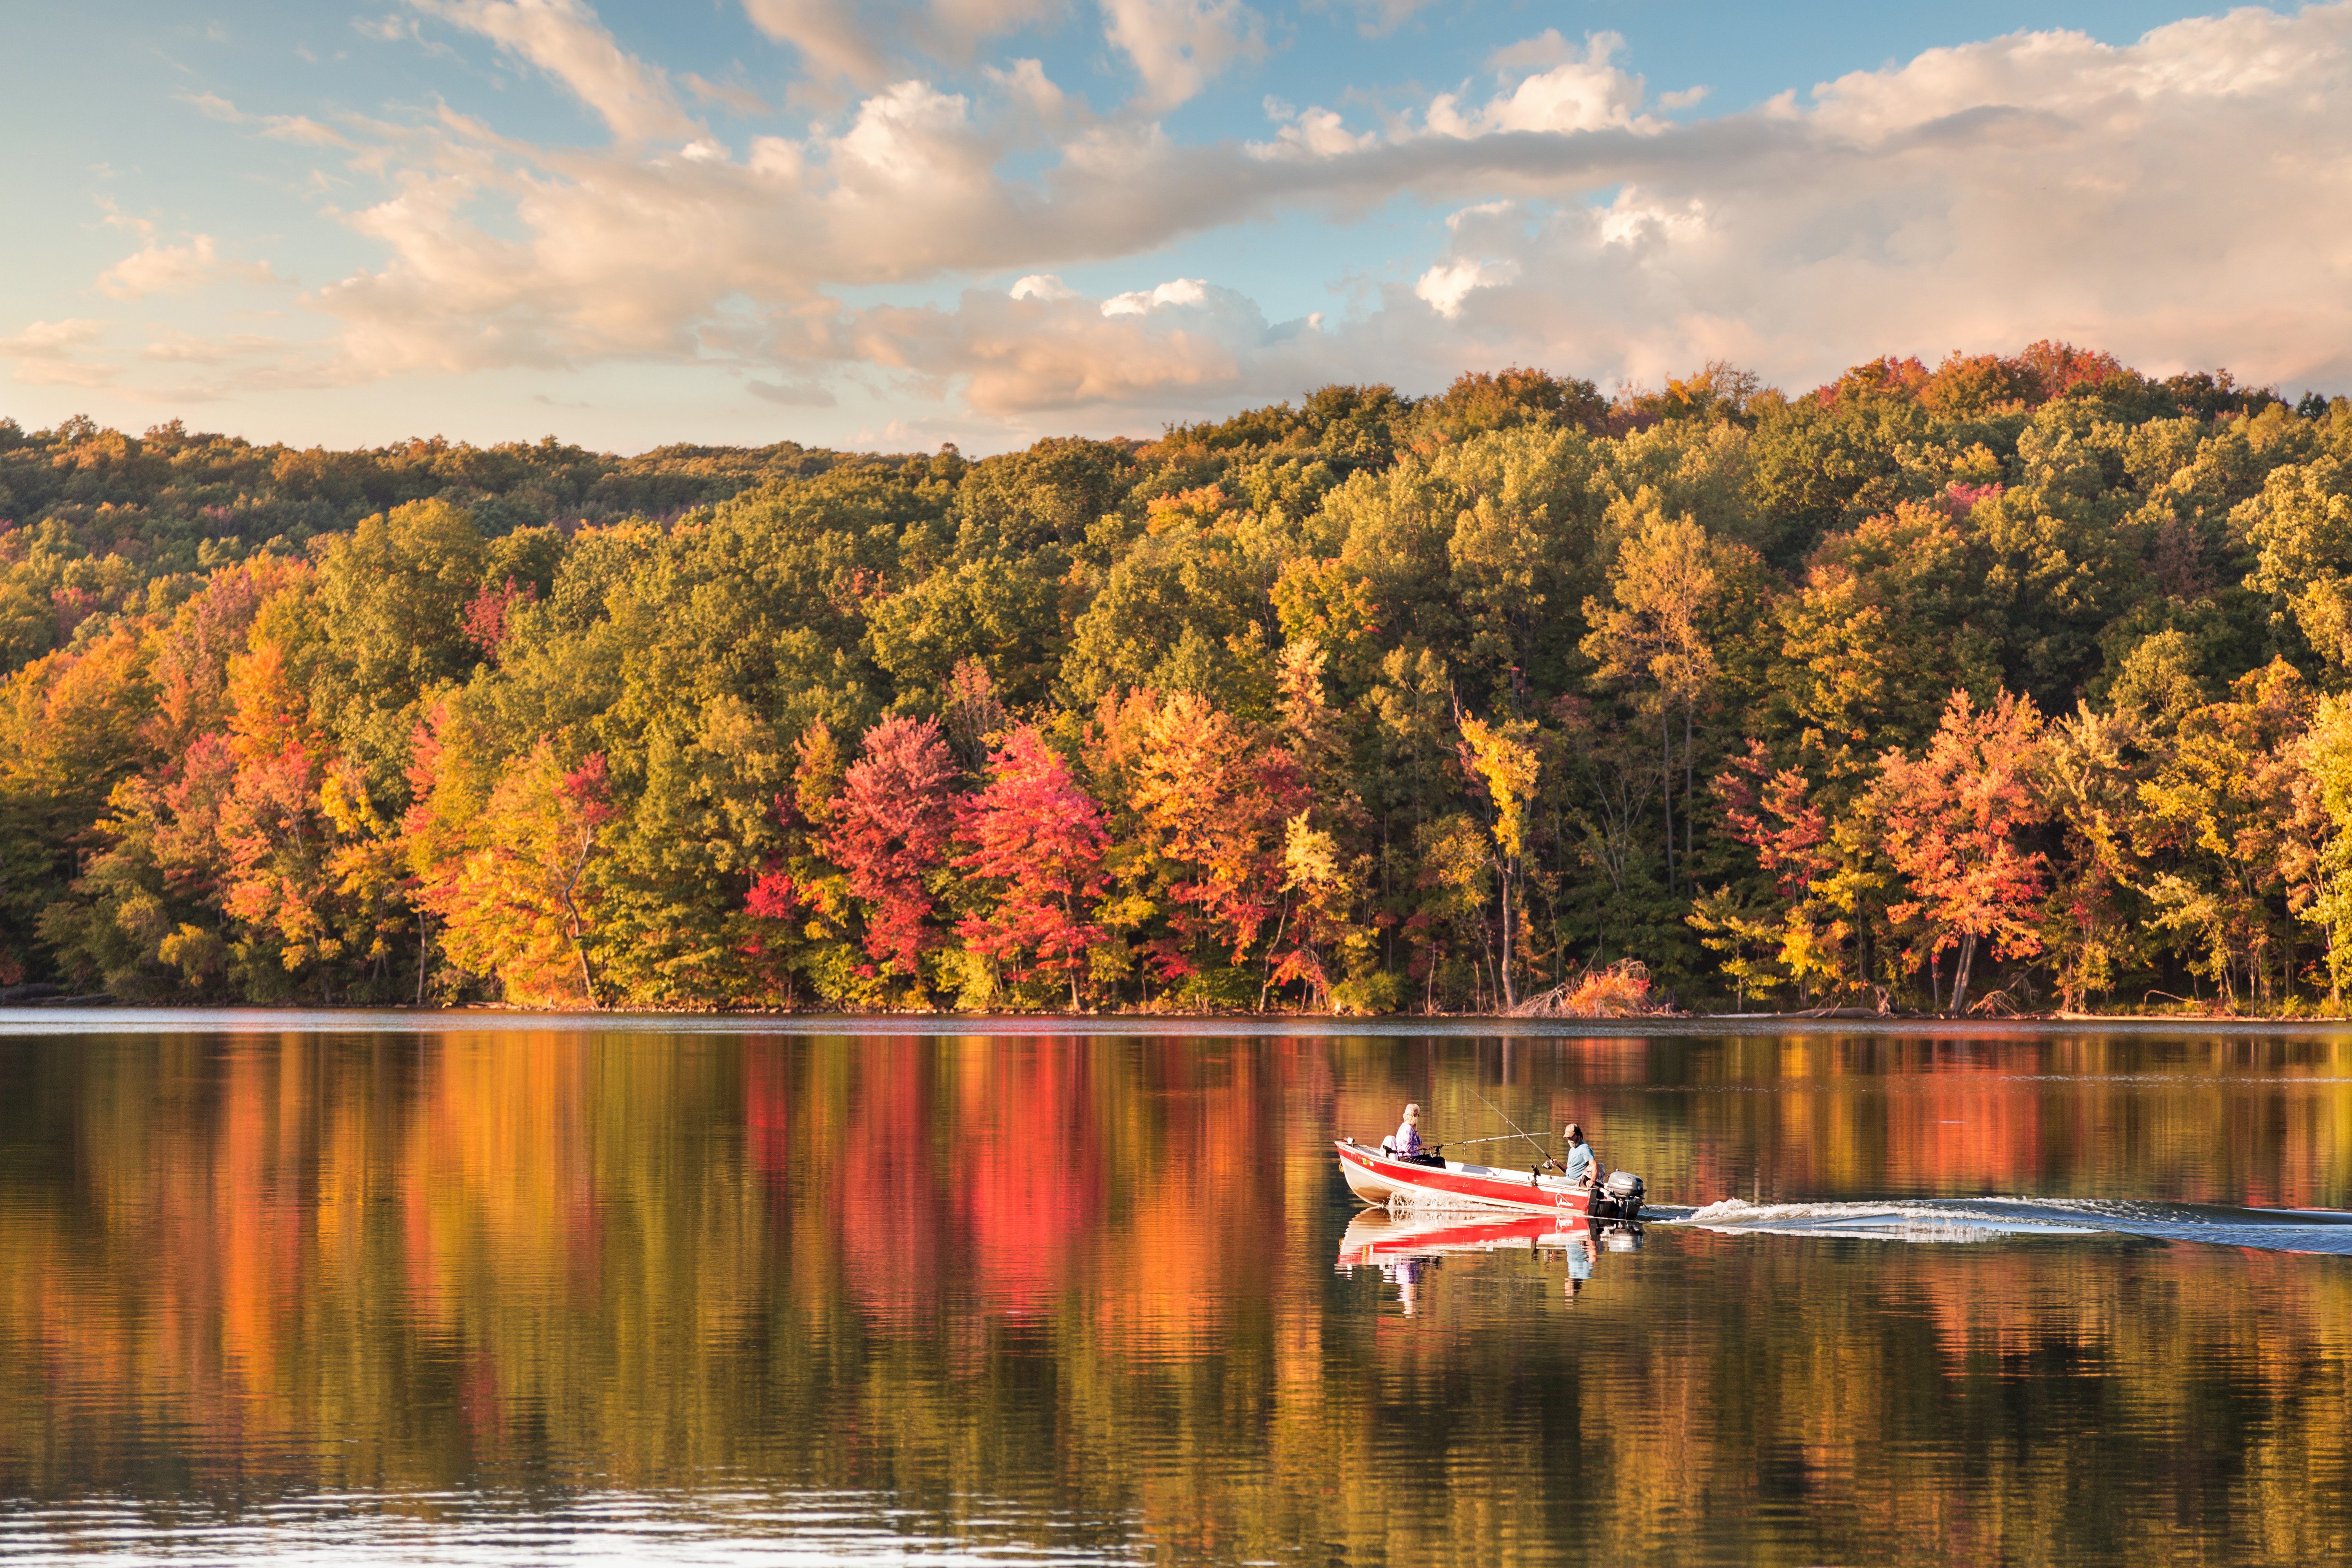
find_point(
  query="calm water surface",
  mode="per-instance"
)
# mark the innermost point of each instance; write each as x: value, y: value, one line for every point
x: 509, y: 1297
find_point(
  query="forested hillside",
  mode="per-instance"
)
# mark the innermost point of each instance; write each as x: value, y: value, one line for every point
x: 2018, y: 681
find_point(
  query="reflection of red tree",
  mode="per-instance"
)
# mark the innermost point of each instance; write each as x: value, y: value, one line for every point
x: 983, y: 1185
x: 478, y: 1404
x: 767, y: 1113
x: 1029, y: 1170
x: 892, y: 1198
x: 1966, y: 1132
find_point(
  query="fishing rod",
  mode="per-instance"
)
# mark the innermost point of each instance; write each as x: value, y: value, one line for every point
x: 1514, y: 1127
x: 1466, y: 1142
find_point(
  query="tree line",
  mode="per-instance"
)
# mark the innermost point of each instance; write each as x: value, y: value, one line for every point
x: 2016, y: 682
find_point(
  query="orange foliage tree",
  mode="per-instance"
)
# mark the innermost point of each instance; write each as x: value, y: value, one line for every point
x: 1952, y: 817
x: 518, y: 902
x: 1210, y: 802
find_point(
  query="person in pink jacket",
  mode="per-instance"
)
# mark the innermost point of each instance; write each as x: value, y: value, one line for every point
x: 1406, y: 1141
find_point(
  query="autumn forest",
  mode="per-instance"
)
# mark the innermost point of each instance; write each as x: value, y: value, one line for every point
x: 2015, y: 683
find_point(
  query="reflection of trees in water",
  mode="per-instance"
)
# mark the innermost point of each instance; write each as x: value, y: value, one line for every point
x: 1097, y: 1274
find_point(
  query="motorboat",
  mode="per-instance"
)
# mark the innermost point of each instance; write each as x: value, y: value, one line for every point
x: 1389, y: 1181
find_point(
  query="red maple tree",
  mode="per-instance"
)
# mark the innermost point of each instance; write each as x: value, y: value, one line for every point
x: 1040, y: 838
x: 1772, y: 812
x: 891, y: 825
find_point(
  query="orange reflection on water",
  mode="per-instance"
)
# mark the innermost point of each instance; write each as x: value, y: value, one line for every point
x: 1099, y: 1271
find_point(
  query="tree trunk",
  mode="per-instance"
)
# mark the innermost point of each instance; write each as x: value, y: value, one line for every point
x: 1690, y: 784
x: 1960, y: 977
x: 1262, y: 990
x: 587, y: 972
x: 579, y: 925
x: 2286, y: 970
x: 1935, y: 978
x: 1666, y: 794
x: 424, y: 951
x: 1510, y: 999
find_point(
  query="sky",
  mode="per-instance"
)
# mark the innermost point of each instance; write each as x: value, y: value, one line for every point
x: 910, y: 222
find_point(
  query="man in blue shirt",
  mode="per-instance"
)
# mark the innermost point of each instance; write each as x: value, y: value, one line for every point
x: 1583, y: 1167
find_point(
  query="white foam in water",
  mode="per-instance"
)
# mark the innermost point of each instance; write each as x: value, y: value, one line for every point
x: 1883, y: 1222
x: 1993, y: 1220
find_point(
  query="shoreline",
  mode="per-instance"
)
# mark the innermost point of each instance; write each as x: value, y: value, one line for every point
x: 18, y: 1022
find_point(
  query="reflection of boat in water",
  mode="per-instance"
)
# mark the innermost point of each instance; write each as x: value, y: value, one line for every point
x: 1404, y: 1247
x: 1383, y: 1180
x: 1377, y: 1240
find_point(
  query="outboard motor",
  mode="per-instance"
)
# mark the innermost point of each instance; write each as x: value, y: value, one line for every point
x: 1625, y: 1192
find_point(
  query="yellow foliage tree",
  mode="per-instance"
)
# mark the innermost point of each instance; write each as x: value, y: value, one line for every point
x: 1501, y: 757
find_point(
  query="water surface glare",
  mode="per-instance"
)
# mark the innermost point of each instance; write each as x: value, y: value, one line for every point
x: 704, y: 1295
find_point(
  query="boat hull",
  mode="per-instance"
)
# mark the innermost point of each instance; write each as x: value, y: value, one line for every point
x: 1376, y: 1178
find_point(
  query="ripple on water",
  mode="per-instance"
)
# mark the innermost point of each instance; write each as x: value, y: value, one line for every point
x: 717, y: 1528
x: 704, y: 1297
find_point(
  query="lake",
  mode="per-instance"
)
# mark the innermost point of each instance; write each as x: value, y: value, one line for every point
x: 498, y: 1291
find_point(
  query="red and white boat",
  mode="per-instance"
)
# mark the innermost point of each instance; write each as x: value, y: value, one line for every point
x: 1377, y: 1177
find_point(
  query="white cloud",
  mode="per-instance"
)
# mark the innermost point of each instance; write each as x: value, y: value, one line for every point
x: 1177, y: 45
x: 1444, y: 286
x: 1182, y: 344
x: 831, y: 39
x: 1542, y: 52
x: 1380, y: 17
x: 395, y: 29
x: 1313, y: 133
x: 50, y: 353
x: 1177, y: 291
x: 864, y: 42
x: 742, y: 100
x: 1578, y: 92
x: 905, y: 136
x: 1026, y: 83
x: 277, y: 127
x: 563, y: 38
x: 158, y: 268
x: 791, y: 393
x: 965, y: 22
x: 2180, y: 200
x: 183, y: 349
x: 1635, y: 219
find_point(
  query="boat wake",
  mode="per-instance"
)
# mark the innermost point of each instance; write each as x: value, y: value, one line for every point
x: 1963, y: 1220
